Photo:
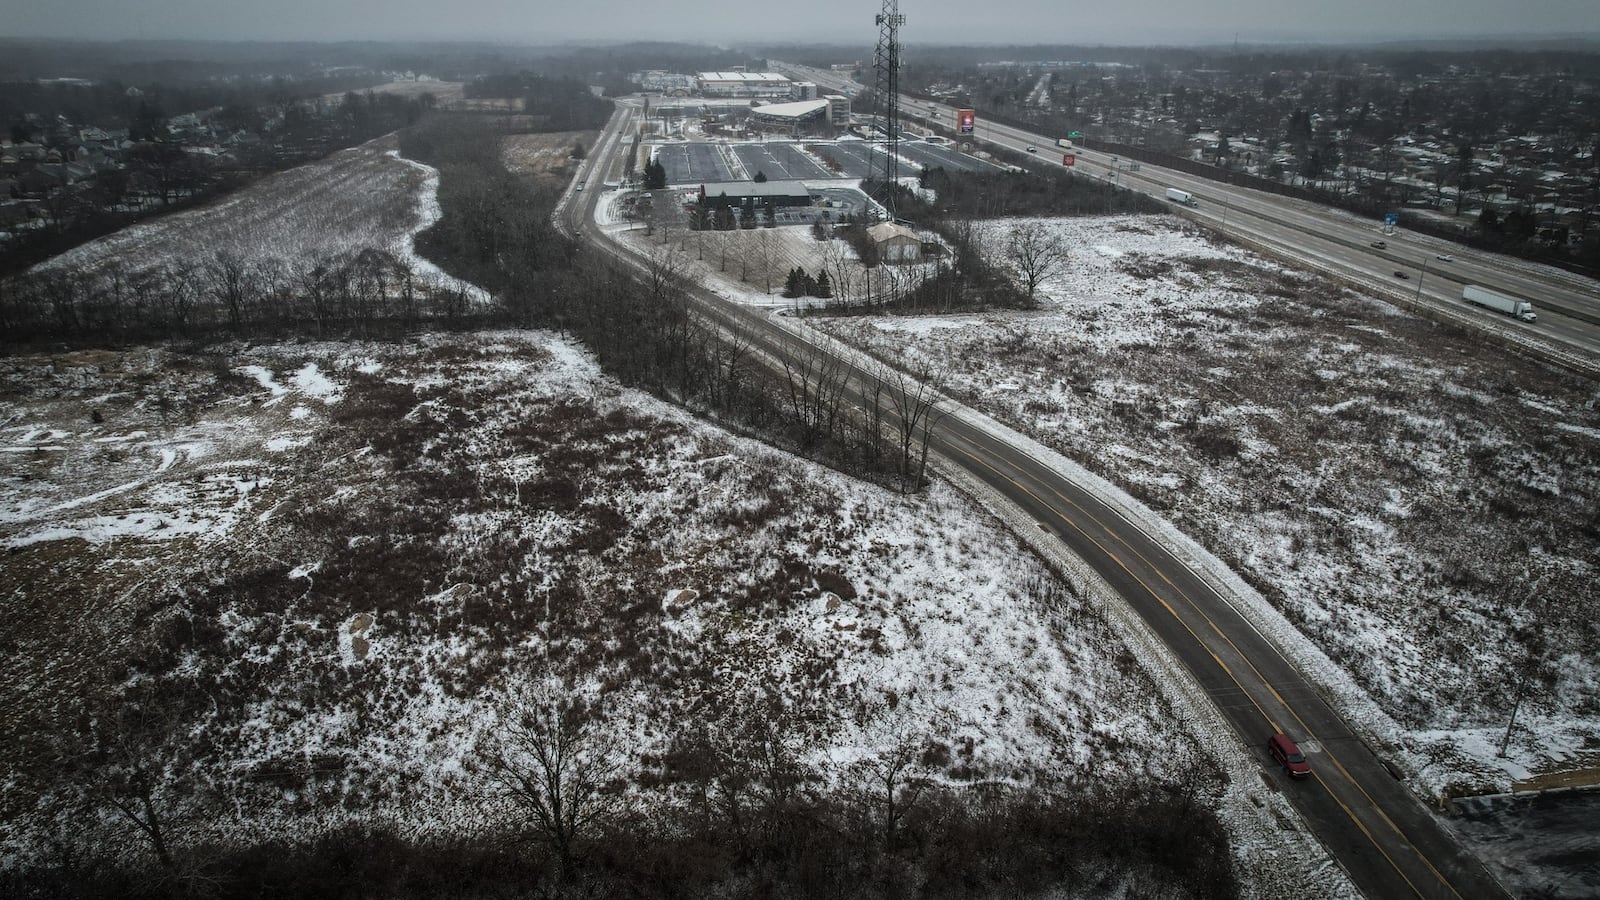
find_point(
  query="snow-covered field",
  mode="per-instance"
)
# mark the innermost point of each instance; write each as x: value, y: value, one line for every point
x: 361, y: 199
x: 359, y: 552
x: 1416, y: 504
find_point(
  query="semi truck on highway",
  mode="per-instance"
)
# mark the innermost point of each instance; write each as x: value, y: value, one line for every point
x: 1177, y: 196
x: 1499, y: 302
x: 1064, y: 144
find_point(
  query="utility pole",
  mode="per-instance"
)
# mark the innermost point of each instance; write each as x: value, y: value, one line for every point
x: 1516, y: 705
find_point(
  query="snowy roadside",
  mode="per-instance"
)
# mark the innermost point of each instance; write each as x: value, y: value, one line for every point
x: 1144, y: 360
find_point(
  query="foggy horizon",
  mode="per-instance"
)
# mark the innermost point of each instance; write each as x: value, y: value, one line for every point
x: 1009, y: 22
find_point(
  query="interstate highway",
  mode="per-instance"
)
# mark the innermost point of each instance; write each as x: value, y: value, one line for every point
x: 1339, y: 244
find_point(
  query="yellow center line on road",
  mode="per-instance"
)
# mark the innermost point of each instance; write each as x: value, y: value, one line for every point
x: 1304, y: 728
x: 1348, y: 811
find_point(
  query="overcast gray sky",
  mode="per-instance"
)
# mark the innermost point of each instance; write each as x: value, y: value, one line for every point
x: 976, y: 21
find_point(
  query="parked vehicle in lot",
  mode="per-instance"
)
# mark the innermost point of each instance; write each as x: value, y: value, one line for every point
x: 1381, y: 245
x: 1401, y: 275
x: 1445, y: 257
x: 1177, y: 196
x: 1287, y: 753
x: 1511, y: 306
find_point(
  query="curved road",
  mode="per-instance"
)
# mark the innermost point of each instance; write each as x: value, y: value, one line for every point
x: 1386, y: 840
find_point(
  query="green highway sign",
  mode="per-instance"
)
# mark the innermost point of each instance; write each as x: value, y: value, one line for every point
x: 1074, y: 134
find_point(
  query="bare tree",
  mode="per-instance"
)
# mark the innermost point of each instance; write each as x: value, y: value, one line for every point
x: 1036, y: 252
x: 839, y: 263
x: 230, y: 283
x: 550, y: 764
x: 815, y: 384
x: 664, y: 272
x: 892, y: 784
x: 135, y: 756
x: 914, y: 402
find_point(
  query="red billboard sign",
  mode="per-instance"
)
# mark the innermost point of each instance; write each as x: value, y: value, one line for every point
x: 1069, y: 159
x: 966, y: 120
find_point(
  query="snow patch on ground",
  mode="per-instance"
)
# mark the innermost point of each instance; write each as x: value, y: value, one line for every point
x: 1218, y: 356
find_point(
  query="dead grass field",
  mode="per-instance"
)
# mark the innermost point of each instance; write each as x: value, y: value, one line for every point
x: 546, y: 159
x: 444, y: 91
x: 356, y: 553
x: 1414, y: 501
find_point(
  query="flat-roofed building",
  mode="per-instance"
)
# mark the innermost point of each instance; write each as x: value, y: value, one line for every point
x: 770, y: 85
x: 838, y: 110
x: 734, y: 193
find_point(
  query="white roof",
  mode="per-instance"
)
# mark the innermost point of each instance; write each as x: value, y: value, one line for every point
x: 884, y: 231
x: 797, y: 110
x: 742, y: 76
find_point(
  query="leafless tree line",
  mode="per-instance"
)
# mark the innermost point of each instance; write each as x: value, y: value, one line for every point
x: 888, y: 416
x: 224, y: 294
x: 646, y: 331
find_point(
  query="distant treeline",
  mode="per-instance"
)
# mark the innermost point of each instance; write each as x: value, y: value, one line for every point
x: 558, y: 104
x: 1579, y: 57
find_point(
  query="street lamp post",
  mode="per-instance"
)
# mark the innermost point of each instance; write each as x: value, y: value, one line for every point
x: 1423, y: 275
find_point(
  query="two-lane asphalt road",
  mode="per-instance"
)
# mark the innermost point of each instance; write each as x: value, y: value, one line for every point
x: 1384, y: 838
x: 1387, y: 841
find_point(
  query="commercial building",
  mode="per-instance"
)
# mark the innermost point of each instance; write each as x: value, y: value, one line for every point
x: 769, y: 85
x: 714, y: 195
x: 838, y: 110
x: 790, y: 118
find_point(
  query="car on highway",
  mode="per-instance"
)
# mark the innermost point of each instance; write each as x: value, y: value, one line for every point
x: 1287, y: 754
x: 1381, y: 245
x: 1033, y: 149
x: 1445, y: 257
x: 1401, y: 275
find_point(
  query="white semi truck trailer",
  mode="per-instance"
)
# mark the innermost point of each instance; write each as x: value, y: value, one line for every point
x: 1505, y: 303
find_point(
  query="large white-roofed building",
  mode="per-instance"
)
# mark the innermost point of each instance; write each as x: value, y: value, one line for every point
x: 745, y: 84
x: 790, y: 118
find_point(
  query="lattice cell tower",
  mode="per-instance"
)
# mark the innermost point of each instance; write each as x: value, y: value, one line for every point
x: 887, y: 65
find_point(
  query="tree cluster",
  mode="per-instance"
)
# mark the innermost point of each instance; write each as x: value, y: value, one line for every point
x: 801, y: 283
x: 555, y: 103
x: 655, y: 176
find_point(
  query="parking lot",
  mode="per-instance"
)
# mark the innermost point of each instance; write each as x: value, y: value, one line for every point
x: 779, y: 162
x: 853, y: 157
x: 695, y: 163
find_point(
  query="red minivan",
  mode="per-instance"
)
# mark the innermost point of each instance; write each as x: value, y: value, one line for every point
x: 1288, y: 755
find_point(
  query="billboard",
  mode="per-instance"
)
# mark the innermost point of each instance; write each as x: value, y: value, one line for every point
x: 966, y: 120
x: 1069, y: 159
